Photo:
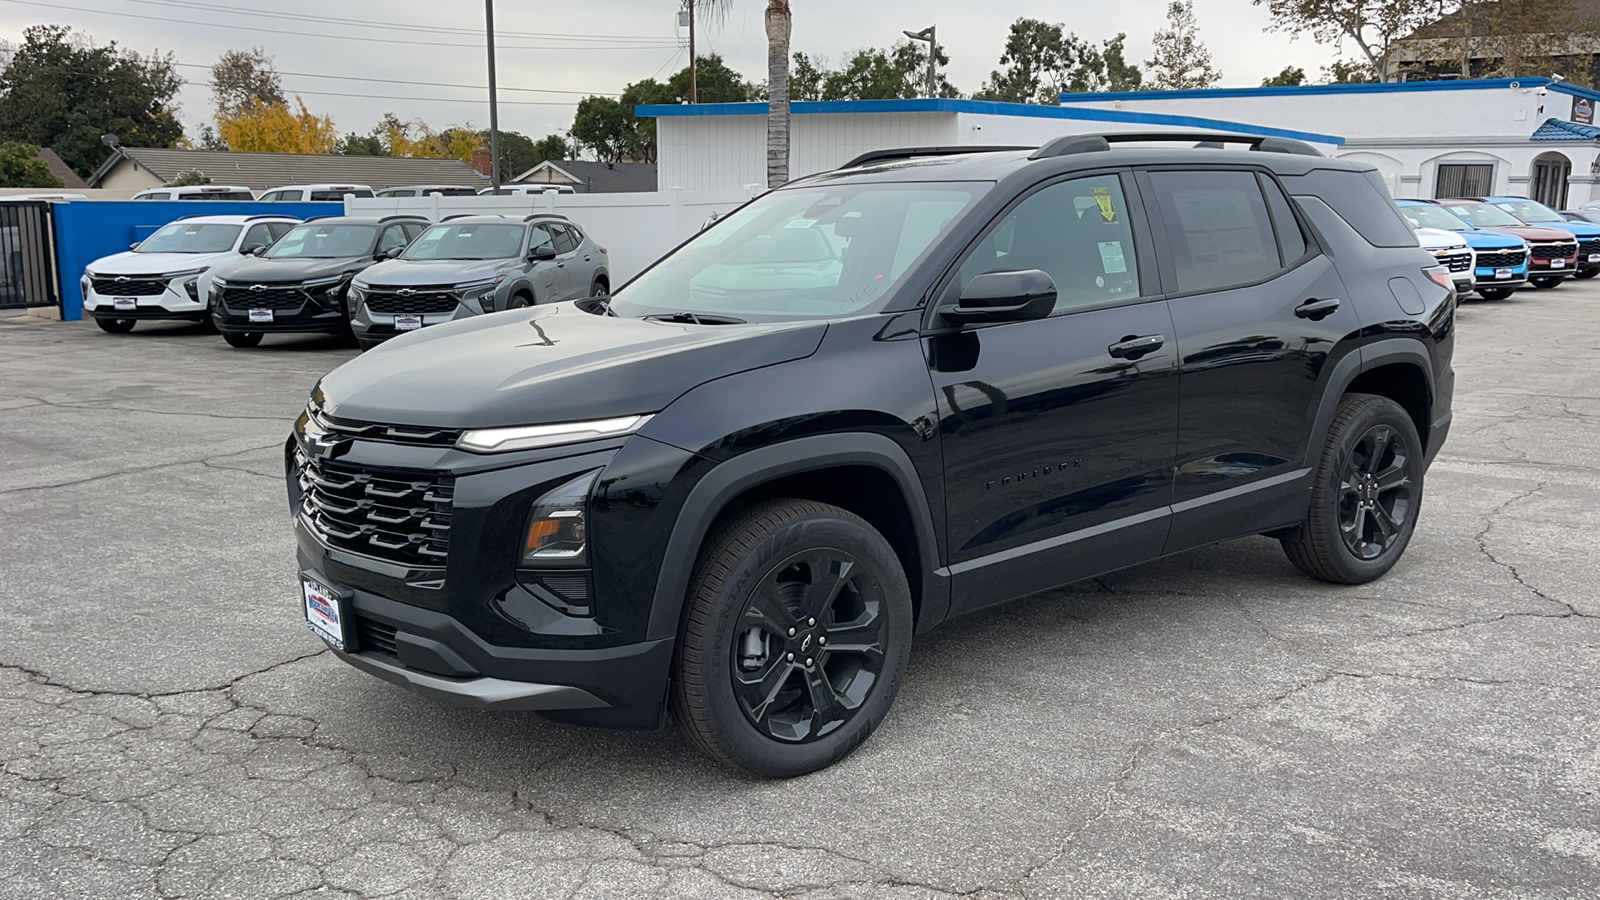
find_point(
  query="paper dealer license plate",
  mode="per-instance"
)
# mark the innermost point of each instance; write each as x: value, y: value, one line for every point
x: 261, y: 315
x: 124, y: 303
x: 1594, y: 257
x: 1558, y: 264
x: 1502, y: 273
x: 324, y: 613
x: 407, y: 323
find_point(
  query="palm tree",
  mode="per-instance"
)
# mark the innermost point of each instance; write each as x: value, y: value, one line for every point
x: 778, y: 30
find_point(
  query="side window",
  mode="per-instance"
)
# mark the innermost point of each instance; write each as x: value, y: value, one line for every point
x: 412, y: 230
x: 564, y: 241
x: 258, y: 234
x: 1291, y: 239
x: 1076, y: 231
x: 278, y: 229
x: 402, y: 193
x: 270, y: 196
x: 541, y: 238
x: 1218, y: 228
x: 160, y: 195
x: 290, y: 195
x: 393, y: 236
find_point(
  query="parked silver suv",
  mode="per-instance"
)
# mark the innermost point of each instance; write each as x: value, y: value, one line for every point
x: 468, y: 265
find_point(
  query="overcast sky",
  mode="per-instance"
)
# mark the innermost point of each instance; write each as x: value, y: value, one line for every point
x: 439, y: 42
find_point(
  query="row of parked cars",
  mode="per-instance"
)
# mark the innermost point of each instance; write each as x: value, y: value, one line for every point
x: 337, y: 192
x: 1494, y: 245
x: 366, y: 276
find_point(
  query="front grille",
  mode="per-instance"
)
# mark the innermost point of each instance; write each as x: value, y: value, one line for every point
x: 277, y: 296
x: 1459, y: 262
x: 392, y: 514
x: 430, y: 301
x: 1588, y: 246
x: 375, y: 637
x: 1502, y: 258
x: 398, y: 434
x: 1555, y: 250
x: 128, y: 286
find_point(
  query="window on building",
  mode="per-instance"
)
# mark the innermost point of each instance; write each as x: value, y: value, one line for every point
x: 1464, y: 180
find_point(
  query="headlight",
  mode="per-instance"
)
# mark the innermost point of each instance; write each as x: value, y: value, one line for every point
x: 558, y: 527
x: 527, y: 437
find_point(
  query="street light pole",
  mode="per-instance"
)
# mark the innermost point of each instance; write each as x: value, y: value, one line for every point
x: 929, y: 34
x: 494, y: 103
x: 694, y: 81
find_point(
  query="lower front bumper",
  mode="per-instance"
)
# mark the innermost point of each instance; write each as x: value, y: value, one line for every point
x: 491, y: 694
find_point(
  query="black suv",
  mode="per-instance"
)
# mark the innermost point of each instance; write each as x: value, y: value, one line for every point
x: 867, y: 402
x: 301, y: 283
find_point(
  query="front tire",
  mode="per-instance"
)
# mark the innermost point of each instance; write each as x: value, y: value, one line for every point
x: 795, y: 641
x: 1545, y: 282
x: 114, y: 326
x: 1500, y: 293
x: 1586, y: 273
x: 1368, y: 492
x: 242, y: 339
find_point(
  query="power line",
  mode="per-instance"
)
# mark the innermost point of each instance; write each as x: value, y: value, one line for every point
x: 476, y: 87
x: 337, y: 37
x: 289, y: 90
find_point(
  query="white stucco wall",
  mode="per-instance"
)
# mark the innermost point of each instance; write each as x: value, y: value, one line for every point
x: 1411, y: 171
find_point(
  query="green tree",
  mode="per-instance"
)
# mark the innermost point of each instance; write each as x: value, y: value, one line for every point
x: 1291, y: 76
x: 1348, y: 71
x: 1372, y: 25
x: 361, y: 145
x: 62, y: 92
x: 20, y: 166
x: 193, y: 176
x: 605, y: 127
x: 551, y: 146
x: 1178, y: 59
x: 896, y: 73
x: 808, y: 73
x: 209, y: 139
x: 1042, y: 60
x: 241, y: 76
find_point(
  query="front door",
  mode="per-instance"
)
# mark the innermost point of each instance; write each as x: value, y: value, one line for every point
x: 543, y: 273
x: 1260, y: 314
x: 1058, y: 433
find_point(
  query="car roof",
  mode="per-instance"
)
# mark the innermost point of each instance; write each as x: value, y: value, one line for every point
x: 198, y: 188
x: 418, y: 187
x: 325, y: 186
x: 232, y: 220
x: 1415, y: 201
x: 486, y: 219
x: 364, y: 220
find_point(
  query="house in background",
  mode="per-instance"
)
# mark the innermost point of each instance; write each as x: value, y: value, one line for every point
x: 138, y: 168
x: 585, y: 177
x: 58, y: 168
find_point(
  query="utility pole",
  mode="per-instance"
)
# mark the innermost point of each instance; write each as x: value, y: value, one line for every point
x: 494, y: 103
x: 694, y: 83
x: 929, y: 34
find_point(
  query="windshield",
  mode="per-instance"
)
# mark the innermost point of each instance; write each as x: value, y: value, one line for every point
x: 802, y: 252
x: 194, y: 238
x: 324, y: 242
x: 1529, y: 211
x: 1433, y: 217
x: 1485, y: 216
x: 467, y: 242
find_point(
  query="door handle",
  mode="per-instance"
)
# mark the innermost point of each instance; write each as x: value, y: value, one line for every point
x: 1314, y: 308
x: 1135, y: 346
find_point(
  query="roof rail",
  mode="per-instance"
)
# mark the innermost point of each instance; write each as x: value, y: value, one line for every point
x: 316, y: 218
x: 912, y: 152
x: 458, y: 216
x: 272, y: 216
x: 546, y: 215
x: 403, y: 216
x: 1090, y: 143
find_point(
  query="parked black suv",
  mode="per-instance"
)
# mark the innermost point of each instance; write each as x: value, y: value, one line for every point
x: 865, y: 403
x: 301, y: 283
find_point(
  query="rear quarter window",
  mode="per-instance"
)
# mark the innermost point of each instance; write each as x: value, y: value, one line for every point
x: 1361, y: 200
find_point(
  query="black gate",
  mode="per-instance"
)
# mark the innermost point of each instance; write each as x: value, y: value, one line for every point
x: 27, y: 255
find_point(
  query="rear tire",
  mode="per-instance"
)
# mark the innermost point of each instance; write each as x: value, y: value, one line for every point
x: 1545, y: 282
x: 1500, y: 293
x: 242, y: 339
x: 1366, y: 497
x: 600, y: 288
x: 756, y: 683
x: 114, y: 326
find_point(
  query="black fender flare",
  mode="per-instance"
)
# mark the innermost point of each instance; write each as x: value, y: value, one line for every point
x: 1364, y: 359
x: 712, y: 494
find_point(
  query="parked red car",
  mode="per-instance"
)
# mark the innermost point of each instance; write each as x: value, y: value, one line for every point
x: 1554, y: 256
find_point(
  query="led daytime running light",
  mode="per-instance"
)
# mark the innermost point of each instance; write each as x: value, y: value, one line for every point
x: 502, y: 440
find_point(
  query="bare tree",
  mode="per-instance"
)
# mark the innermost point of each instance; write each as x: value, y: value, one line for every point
x: 1373, y: 25
x: 1178, y: 58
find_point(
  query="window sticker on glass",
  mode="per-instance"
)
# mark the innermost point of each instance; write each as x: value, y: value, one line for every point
x: 800, y: 223
x: 1102, y: 196
x: 1111, y: 258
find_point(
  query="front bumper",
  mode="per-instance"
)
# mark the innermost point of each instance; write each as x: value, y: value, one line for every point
x: 1484, y: 277
x: 371, y: 326
x: 173, y: 303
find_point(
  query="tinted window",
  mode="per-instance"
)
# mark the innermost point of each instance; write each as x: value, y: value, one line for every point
x: 290, y: 195
x: 269, y: 196
x: 1463, y: 180
x: 1217, y: 227
x: 1361, y: 200
x: 314, y: 241
x: 181, y: 238
x: 218, y: 195
x: 257, y: 235
x: 398, y: 192
x: 325, y: 196
x: 393, y: 236
x: 564, y: 241
x: 412, y: 230
x: 468, y: 242
x: 1291, y: 238
x: 1077, y: 232
x: 163, y: 195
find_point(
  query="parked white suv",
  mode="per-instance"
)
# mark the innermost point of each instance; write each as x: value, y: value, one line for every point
x: 166, y: 275
x: 197, y: 192
x: 507, y: 190
x: 1452, y: 252
x: 316, y: 192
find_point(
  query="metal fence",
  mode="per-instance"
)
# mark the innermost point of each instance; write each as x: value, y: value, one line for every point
x: 27, y: 255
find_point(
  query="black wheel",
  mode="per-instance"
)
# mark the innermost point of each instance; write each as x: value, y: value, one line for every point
x: 1545, y: 282
x: 519, y: 301
x: 1499, y: 293
x: 114, y: 326
x: 242, y: 339
x: 795, y: 640
x: 600, y: 288
x: 1366, y: 497
x: 1586, y: 273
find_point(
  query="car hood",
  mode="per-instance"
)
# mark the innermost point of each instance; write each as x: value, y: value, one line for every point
x: 1439, y: 239
x: 1581, y: 229
x: 1479, y: 239
x: 130, y: 263
x: 549, y: 364
x: 434, y: 271
x: 1535, y: 233
x: 254, y: 268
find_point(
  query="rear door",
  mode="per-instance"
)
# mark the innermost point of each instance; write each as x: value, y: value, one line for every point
x: 1058, y: 433
x: 1260, y: 313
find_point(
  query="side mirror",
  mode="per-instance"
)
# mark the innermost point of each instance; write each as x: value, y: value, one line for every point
x: 1004, y: 297
x: 391, y: 253
x: 252, y: 250
x: 542, y: 253
x: 134, y: 245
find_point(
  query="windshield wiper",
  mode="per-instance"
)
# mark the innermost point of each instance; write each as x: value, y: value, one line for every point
x: 696, y: 319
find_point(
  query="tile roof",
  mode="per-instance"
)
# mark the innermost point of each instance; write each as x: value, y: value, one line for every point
x: 260, y: 171
x: 600, y: 177
x: 59, y: 168
x: 1562, y: 130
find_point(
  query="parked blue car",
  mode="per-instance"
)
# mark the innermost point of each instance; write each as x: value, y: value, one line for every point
x: 1587, y: 233
x: 1500, y: 260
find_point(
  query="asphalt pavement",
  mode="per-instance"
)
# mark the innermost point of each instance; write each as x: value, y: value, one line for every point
x: 1213, y: 725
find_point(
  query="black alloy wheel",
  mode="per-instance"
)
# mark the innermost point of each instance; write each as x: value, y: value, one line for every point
x: 114, y: 326
x: 1375, y: 493
x: 599, y: 288
x: 1586, y: 273
x: 810, y: 645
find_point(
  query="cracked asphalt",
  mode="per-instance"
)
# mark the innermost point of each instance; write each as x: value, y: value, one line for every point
x: 1212, y: 725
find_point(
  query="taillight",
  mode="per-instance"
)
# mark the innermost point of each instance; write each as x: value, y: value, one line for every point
x: 1441, y: 276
